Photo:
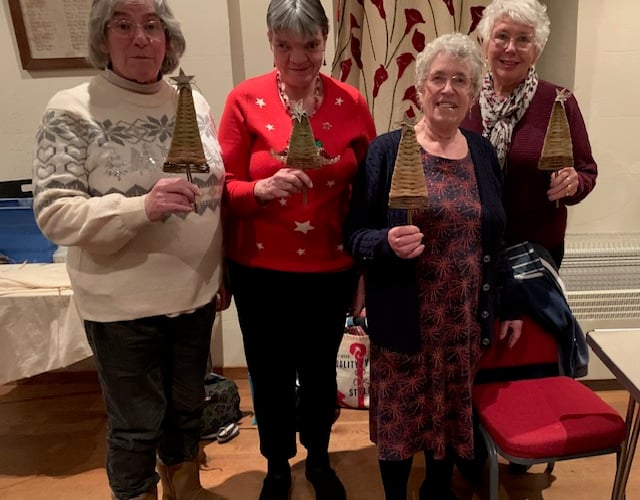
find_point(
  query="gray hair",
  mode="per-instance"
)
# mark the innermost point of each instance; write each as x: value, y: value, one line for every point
x: 459, y: 46
x: 101, y: 13
x: 303, y: 17
x: 529, y: 12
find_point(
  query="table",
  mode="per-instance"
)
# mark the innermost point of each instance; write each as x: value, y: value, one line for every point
x: 619, y: 350
x: 40, y: 329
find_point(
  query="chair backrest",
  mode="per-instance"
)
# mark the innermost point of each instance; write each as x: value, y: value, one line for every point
x: 534, y: 355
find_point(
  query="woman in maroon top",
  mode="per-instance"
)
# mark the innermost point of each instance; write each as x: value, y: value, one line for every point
x: 513, y: 112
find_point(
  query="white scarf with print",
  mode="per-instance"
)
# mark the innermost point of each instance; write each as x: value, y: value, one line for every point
x: 499, y: 116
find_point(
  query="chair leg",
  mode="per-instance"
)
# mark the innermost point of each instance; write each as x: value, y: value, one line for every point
x: 549, y: 468
x: 492, y: 453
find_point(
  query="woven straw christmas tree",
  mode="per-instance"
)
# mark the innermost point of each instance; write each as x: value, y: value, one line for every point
x: 557, y: 151
x: 303, y: 152
x: 408, y: 185
x: 185, y: 153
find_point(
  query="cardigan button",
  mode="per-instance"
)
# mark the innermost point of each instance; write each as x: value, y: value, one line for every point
x: 485, y: 341
x: 486, y: 287
x: 486, y: 258
x: 485, y: 314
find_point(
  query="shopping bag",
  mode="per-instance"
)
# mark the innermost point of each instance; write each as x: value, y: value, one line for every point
x: 352, y: 369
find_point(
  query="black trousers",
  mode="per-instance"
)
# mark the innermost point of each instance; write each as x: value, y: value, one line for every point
x: 292, y: 324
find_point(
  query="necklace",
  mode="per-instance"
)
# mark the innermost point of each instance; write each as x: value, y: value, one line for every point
x: 286, y: 102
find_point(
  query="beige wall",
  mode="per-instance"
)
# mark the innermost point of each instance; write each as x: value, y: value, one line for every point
x: 607, y: 73
x: 593, y: 49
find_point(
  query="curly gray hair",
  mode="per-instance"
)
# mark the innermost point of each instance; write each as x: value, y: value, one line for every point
x: 101, y: 13
x: 529, y: 12
x: 459, y: 46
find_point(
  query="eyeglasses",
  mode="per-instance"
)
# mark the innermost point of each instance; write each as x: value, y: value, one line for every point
x: 153, y: 29
x: 438, y: 81
x: 502, y: 40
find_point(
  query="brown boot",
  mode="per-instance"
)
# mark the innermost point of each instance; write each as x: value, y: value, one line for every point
x: 150, y: 495
x: 182, y: 482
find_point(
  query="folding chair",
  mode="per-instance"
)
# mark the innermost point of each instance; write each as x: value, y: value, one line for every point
x: 539, y: 418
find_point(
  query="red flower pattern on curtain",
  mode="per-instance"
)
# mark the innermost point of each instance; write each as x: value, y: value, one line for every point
x: 382, y: 38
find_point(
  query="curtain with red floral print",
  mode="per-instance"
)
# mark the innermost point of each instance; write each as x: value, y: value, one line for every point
x: 377, y: 42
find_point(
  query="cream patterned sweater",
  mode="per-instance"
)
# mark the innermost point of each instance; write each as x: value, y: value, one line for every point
x: 100, y: 148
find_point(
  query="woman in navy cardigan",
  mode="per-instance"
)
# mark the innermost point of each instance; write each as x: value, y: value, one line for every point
x: 431, y: 286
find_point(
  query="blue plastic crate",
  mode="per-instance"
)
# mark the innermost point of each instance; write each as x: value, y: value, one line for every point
x: 20, y: 238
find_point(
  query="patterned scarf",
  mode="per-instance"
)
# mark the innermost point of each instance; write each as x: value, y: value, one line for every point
x: 499, y: 116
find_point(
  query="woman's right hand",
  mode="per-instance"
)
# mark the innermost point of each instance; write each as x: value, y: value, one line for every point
x: 406, y: 241
x: 170, y: 195
x: 282, y: 184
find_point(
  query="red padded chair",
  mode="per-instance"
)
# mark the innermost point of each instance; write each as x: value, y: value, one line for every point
x: 539, y: 420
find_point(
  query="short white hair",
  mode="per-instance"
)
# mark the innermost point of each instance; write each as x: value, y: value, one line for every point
x: 529, y: 12
x: 459, y: 46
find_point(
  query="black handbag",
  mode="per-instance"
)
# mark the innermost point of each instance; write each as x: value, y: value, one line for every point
x: 221, y: 404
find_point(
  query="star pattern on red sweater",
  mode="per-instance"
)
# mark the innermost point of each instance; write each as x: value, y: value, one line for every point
x: 304, y: 227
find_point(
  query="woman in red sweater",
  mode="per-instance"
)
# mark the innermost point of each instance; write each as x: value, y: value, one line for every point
x: 291, y: 277
x: 513, y: 112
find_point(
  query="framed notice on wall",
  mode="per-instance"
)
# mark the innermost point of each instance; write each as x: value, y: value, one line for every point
x: 51, y: 34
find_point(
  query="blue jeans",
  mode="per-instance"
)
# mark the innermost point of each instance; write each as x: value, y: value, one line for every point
x: 151, y: 372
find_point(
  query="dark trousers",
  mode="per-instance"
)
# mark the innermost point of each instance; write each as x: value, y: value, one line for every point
x: 292, y: 324
x: 151, y: 372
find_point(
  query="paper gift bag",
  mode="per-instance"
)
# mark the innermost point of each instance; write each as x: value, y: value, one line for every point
x: 352, y: 369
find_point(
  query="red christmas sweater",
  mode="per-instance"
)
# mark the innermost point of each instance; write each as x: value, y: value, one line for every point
x: 287, y: 234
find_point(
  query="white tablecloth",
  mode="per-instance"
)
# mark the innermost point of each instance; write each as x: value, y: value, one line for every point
x: 40, y: 329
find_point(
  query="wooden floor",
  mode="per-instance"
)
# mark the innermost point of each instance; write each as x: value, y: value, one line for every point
x: 52, y: 446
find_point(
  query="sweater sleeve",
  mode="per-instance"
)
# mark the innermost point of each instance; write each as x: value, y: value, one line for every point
x: 583, y: 160
x: 65, y: 211
x: 235, y: 141
x: 366, y: 227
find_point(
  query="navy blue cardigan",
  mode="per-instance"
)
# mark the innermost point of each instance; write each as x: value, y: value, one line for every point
x: 390, y: 282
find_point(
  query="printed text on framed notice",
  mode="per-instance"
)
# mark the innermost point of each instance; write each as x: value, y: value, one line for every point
x: 51, y: 34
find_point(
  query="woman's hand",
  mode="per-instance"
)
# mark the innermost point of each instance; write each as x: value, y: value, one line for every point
x: 170, y: 195
x: 406, y: 241
x: 282, y: 184
x: 511, y: 330
x: 564, y: 182
x: 358, y: 302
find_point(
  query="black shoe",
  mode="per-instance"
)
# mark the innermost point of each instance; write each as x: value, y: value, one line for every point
x: 425, y: 494
x: 326, y: 483
x: 471, y: 470
x: 276, y: 487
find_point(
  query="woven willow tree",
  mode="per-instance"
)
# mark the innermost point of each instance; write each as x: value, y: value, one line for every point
x: 303, y: 151
x: 557, y: 150
x: 185, y: 153
x: 408, y: 185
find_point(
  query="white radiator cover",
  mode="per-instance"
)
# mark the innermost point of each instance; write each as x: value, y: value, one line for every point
x: 601, y: 273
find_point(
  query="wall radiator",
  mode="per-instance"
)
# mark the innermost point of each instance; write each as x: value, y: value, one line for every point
x: 601, y: 273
